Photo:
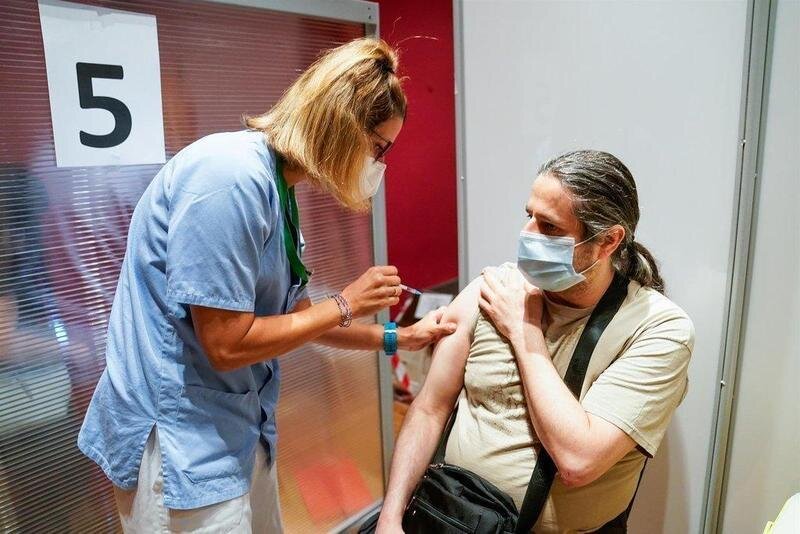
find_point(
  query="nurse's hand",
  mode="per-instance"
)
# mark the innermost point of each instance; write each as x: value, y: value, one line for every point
x: 376, y: 289
x: 426, y: 331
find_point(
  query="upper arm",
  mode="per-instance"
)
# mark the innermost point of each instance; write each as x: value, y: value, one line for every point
x: 219, y: 332
x: 632, y: 401
x: 446, y: 375
x: 640, y: 391
x: 218, y: 224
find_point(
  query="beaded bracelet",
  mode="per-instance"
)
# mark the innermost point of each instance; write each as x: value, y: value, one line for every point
x: 344, y: 309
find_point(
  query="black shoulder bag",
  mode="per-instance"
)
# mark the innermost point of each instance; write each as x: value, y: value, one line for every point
x: 450, y: 499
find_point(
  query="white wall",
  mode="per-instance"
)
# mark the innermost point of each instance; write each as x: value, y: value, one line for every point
x: 765, y: 445
x: 657, y: 84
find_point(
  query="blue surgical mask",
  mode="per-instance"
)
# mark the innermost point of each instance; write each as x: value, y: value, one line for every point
x: 546, y: 261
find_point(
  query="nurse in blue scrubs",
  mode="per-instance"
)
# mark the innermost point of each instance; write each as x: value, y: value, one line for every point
x: 213, y: 291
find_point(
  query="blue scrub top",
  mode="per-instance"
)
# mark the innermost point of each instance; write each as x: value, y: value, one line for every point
x: 207, y: 231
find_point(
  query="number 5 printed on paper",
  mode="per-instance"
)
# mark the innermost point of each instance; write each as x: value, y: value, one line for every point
x: 122, y: 115
x: 104, y: 82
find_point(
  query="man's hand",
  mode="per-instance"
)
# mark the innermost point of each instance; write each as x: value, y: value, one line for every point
x: 388, y: 527
x: 426, y: 331
x: 512, y: 307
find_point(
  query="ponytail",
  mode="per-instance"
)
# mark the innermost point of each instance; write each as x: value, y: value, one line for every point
x: 640, y: 265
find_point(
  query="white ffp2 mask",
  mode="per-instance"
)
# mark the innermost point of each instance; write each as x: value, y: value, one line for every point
x: 371, y: 177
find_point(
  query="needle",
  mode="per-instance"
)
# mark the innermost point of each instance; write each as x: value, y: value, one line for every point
x: 410, y: 289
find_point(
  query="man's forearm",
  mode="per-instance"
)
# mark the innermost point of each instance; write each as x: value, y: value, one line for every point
x: 412, y: 454
x: 560, y: 421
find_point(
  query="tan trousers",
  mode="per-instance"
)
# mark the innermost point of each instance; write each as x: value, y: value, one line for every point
x: 142, y: 510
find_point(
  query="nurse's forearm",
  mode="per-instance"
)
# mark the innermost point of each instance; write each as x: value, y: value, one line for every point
x: 236, y: 339
x: 357, y: 336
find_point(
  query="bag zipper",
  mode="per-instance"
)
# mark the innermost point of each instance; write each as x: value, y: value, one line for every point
x: 439, y: 515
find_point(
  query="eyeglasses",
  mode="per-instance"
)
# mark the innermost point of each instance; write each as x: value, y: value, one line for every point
x: 383, y: 149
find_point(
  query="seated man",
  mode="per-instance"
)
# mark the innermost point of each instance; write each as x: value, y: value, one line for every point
x: 517, y: 328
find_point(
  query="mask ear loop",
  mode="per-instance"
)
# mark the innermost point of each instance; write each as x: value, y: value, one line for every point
x: 589, y: 267
x: 585, y: 241
x: 592, y: 237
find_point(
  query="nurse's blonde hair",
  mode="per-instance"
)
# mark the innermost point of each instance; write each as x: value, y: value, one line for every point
x: 322, y: 123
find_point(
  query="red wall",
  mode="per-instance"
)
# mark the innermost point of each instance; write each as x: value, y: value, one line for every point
x: 421, y: 167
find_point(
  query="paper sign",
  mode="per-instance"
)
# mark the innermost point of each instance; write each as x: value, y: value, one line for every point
x: 104, y: 79
x: 430, y: 301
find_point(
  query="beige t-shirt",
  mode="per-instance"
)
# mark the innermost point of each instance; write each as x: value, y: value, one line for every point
x: 636, y: 378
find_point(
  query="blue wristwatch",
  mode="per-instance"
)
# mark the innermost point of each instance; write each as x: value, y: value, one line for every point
x: 390, y: 338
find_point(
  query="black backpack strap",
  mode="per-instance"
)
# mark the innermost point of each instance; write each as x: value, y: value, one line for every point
x: 545, y: 470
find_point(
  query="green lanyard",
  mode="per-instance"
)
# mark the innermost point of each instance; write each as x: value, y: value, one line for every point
x: 291, y: 231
